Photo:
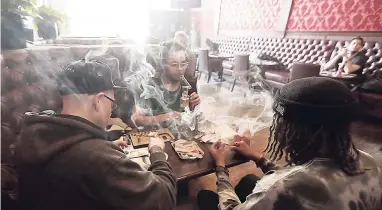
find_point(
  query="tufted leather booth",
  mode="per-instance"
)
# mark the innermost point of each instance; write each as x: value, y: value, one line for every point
x: 232, y: 45
x: 26, y: 85
x: 289, y: 51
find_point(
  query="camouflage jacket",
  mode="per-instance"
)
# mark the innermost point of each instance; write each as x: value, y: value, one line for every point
x: 317, y: 185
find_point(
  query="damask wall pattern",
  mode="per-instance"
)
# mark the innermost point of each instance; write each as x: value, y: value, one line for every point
x: 262, y: 15
x: 335, y: 15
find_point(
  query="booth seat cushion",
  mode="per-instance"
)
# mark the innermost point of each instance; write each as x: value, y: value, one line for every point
x: 371, y: 104
x: 277, y: 76
x: 27, y: 84
x: 228, y: 65
x: 227, y: 72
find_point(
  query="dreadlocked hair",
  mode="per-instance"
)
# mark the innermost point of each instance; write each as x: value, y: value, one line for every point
x: 302, y: 142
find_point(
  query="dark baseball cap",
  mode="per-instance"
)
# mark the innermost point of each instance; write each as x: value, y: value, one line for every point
x: 85, y: 77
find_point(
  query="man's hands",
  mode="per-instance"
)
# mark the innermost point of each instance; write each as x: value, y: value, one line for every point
x: 344, y: 52
x: 115, y: 134
x: 194, y: 100
x: 174, y: 115
x: 156, y: 144
x: 120, y: 143
x: 241, y: 145
x: 218, y: 152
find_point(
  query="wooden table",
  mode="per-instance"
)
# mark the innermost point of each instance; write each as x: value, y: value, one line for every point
x: 185, y: 170
x: 220, y: 56
x: 190, y: 169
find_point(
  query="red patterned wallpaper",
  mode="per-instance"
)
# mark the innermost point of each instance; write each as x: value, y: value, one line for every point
x: 305, y: 15
x: 336, y: 15
x: 205, y: 18
x: 249, y: 14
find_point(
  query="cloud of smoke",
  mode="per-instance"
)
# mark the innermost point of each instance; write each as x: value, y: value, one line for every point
x: 248, y: 108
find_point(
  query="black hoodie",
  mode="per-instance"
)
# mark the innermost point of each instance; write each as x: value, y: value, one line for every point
x: 66, y: 162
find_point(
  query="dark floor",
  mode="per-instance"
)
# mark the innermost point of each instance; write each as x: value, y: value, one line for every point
x: 367, y: 136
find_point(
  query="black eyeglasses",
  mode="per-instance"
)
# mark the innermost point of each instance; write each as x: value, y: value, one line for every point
x: 113, y: 104
x: 182, y: 65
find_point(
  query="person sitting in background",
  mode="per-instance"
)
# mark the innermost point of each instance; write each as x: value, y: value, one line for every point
x: 212, y: 46
x: 325, y: 171
x: 65, y: 161
x: 125, y: 99
x: 182, y: 38
x: 121, y: 117
x: 159, y: 101
x: 350, y: 59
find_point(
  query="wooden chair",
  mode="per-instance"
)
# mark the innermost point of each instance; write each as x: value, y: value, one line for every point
x: 303, y: 70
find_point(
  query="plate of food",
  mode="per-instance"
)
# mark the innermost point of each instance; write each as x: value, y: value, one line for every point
x: 142, y: 138
x: 222, y: 132
x: 187, y: 150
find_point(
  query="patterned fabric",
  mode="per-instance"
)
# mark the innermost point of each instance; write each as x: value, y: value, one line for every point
x: 254, y: 15
x: 317, y: 185
x: 322, y: 15
x: 337, y: 15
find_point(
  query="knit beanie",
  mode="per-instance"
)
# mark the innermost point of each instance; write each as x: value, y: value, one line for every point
x: 316, y: 100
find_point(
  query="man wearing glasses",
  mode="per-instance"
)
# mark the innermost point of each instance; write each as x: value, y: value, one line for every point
x: 160, y: 99
x: 65, y: 161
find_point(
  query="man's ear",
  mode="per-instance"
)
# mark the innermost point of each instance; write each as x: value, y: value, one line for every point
x: 97, y: 100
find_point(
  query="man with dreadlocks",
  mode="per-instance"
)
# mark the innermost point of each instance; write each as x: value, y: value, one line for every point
x: 324, y: 170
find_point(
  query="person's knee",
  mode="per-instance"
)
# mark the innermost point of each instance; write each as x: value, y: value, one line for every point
x: 205, y: 195
x: 207, y: 200
x: 250, y: 178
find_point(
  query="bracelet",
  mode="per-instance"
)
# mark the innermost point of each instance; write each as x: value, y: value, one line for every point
x: 258, y: 159
x: 221, y: 169
x: 155, y: 149
x: 261, y: 160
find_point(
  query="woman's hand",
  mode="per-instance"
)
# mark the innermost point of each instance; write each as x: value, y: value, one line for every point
x: 219, y: 152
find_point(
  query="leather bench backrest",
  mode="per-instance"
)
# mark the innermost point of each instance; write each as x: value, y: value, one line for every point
x: 233, y: 45
x: 289, y: 51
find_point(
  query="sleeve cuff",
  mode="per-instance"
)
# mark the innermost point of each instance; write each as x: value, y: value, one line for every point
x: 222, y: 176
x: 157, y: 156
